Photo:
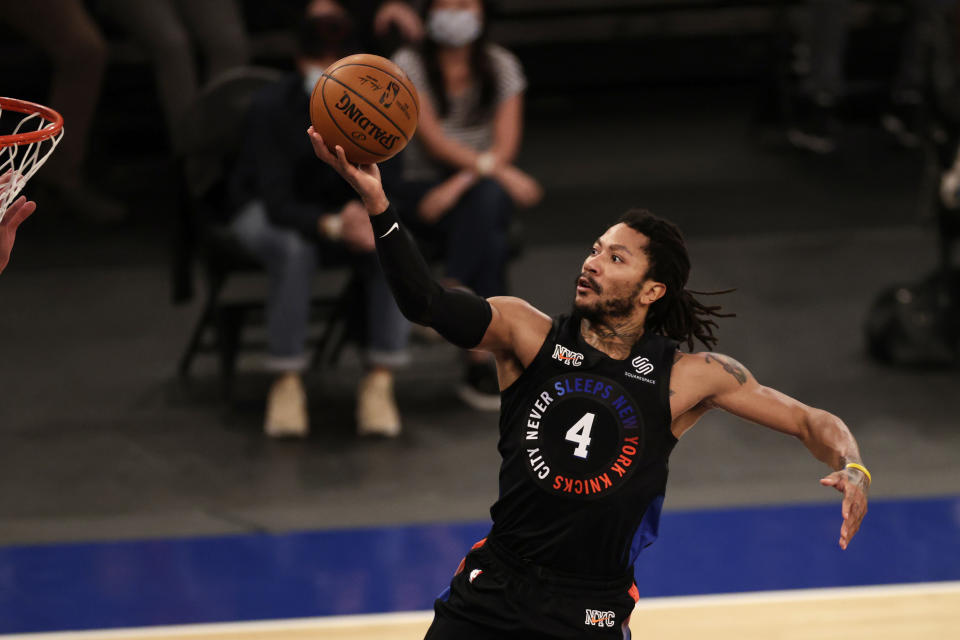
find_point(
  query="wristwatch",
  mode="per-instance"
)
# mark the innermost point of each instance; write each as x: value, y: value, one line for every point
x: 332, y: 226
x: 485, y: 163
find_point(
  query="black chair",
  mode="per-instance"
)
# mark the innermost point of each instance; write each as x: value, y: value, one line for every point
x: 207, y: 145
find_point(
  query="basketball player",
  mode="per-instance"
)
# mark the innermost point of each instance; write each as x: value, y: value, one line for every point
x: 592, y: 405
x: 18, y: 211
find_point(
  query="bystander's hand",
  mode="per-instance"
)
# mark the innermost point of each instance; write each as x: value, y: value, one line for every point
x: 402, y: 16
x: 17, y: 212
x: 440, y: 199
x: 357, y: 231
x: 522, y: 187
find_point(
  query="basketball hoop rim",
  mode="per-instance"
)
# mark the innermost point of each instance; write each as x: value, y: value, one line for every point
x: 54, y: 119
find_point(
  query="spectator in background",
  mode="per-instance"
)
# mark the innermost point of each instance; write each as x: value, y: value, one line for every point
x: 292, y: 214
x: 822, y: 58
x: 460, y: 186
x: 168, y: 29
x: 67, y: 34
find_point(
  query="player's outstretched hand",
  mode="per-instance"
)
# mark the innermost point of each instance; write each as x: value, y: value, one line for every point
x: 16, y: 213
x: 364, y: 178
x: 853, y: 485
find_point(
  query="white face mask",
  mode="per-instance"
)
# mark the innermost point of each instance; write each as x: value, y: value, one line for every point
x: 311, y: 76
x: 453, y: 27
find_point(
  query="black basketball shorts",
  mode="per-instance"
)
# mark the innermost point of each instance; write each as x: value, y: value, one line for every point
x: 494, y: 595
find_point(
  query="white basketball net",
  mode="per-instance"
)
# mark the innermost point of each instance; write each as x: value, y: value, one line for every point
x: 18, y: 162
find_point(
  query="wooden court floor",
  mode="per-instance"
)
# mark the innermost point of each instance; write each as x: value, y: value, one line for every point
x: 930, y: 611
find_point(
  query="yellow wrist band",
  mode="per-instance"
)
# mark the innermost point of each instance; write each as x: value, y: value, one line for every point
x: 860, y: 467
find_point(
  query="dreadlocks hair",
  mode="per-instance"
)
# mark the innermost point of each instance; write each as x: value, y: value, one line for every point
x: 677, y: 315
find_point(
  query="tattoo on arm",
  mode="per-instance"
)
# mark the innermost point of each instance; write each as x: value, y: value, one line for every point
x: 676, y: 358
x: 729, y: 365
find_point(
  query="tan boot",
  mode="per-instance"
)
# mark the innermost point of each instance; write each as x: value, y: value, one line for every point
x: 377, y: 412
x: 287, y: 408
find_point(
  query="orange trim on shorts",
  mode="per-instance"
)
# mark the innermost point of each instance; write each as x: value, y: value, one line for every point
x: 634, y: 593
x: 476, y: 545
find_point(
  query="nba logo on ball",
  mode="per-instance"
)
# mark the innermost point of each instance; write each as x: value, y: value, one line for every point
x: 367, y: 105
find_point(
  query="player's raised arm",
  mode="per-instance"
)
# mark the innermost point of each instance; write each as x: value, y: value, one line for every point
x: 724, y: 383
x: 463, y: 318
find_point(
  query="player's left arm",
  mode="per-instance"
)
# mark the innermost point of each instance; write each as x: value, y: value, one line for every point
x: 728, y: 385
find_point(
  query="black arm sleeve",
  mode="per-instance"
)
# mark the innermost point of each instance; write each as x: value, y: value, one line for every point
x: 459, y: 316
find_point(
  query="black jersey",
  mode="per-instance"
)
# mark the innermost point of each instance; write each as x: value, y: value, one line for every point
x: 585, y: 441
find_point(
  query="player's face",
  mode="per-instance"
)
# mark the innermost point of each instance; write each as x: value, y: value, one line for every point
x: 611, y: 283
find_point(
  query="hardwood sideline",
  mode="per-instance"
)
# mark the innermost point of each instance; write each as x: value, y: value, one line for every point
x: 895, y: 612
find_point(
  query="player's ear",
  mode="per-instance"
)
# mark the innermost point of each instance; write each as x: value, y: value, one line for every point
x: 652, y: 291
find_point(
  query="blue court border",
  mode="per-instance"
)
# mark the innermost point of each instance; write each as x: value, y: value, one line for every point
x: 369, y: 570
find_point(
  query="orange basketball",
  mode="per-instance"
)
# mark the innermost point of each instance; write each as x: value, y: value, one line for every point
x: 367, y: 105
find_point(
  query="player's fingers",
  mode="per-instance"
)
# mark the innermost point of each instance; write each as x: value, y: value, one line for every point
x: 371, y: 170
x: 12, y: 214
x: 314, y: 137
x: 833, y: 481
x: 858, y: 510
x: 846, y: 535
x: 846, y: 508
x: 851, y: 523
x: 23, y: 212
x: 319, y: 148
x: 28, y: 210
x: 853, y: 526
x: 344, y: 164
x: 316, y: 142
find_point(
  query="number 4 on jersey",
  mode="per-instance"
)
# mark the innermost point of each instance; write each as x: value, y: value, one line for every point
x: 580, y: 433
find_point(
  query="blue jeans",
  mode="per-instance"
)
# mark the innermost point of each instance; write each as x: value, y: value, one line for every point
x: 291, y: 260
x: 472, y: 235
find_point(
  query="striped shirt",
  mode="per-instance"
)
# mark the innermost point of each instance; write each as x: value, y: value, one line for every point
x: 417, y: 164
